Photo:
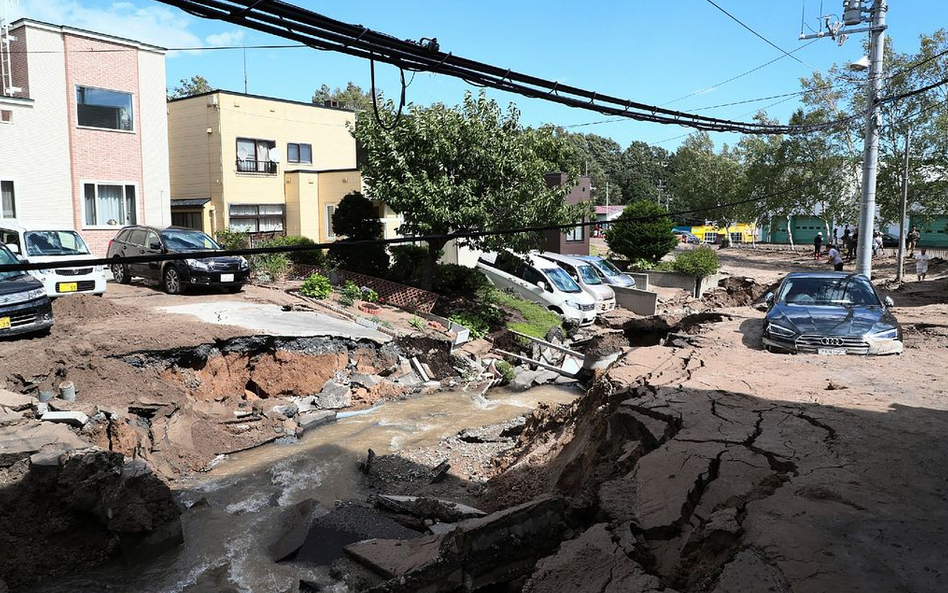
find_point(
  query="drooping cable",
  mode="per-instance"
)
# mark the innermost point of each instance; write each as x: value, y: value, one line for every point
x: 375, y: 100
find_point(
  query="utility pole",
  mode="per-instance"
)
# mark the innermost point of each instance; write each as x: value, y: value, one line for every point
x: 905, y: 170
x: 853, y: 14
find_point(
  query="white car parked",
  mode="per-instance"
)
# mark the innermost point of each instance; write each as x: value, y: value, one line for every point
x: 541, y: 281
x: 41, y: 244
x: 584, y: 274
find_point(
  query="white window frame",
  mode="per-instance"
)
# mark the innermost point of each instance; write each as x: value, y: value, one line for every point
x: 571, y: 234
x: 99, y: 88
x: 14, y: 182
x: 97, y: 182
x: 329, y: 230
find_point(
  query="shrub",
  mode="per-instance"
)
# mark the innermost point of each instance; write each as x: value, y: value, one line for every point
x: 701, y: 262
x: 454, y: 279
x: 371, y: 260
x: 368, y: 295
x: 307, y: 258
x: 642, y: 239
x: 272, y: 265
x: 229, y: 239
x: 537, y: 320
x: 417, y: 323
x: 471, y: 320
x: 408, y: 263
x: 351, y: 291
x: 506, y: 370
x: 316, y: 286
x: 357, y: 219
x: 346, y: 300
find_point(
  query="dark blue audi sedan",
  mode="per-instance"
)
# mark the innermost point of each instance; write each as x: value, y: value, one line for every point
x: 830, y: 313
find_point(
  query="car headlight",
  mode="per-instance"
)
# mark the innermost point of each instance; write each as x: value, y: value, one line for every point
x: 198, y: 264
x: 886, y: 334
x: 22, y: 297
x: 243, y: 263
x: 572, y: 304
x: 98, y: 268
x: 779, y: 330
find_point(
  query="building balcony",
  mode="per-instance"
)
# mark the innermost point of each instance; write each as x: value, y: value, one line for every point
x: 252, y: 167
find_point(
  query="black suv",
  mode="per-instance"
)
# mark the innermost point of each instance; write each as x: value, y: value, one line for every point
x: 24, y: 306
x: 227, y: 272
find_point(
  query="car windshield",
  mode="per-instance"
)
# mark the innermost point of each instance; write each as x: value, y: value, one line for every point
x: 606, y: 267
x: 7, y: 258
x: 561, y: 280
x: 839, y: 292
x: 40, y: 243
x: 589, y: 275
x: 176, y: 240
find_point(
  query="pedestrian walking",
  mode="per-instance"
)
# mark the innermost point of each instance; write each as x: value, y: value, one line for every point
x: 818, y: 246
x: 921, y: 263
x: 833, y: 257
x: 912, y: 240
x: 853, y: 244
x: 877, y: 247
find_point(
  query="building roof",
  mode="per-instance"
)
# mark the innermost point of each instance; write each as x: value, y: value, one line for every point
x: 186, y: 202
x: 87, y: 33
x: 262, y: 97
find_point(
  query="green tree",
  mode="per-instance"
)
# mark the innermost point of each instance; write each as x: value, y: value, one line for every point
x: 648, y: 239
x: 702, y: 179
x: 357, y: 219
x: 643, y: 170
x: 352, y: 97
x: 188, y: 87
x: 472, y: 167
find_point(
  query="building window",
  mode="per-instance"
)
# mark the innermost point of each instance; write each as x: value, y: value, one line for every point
x: 109, y: 205
x: 99, y: 108
x: 8, y: 199
x: 710, y: 238
x: 299, y: 153
x: 190, y: 220
x: 253, y: 156
x: 577, y: 234
x: 257, y: 218
x: 330, y: 232
x: 6, y: 116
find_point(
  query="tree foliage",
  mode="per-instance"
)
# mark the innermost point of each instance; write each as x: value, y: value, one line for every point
x: 357, y: 219
x: 472, y: 167
x: 188, y: 87
x: 648, y: 239
x: 352, y: 97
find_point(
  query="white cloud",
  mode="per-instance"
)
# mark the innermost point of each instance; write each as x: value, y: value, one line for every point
x: 234, y: 37
x: 149, y: 23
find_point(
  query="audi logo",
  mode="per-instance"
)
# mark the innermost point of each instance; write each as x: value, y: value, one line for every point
x: 831, y: 341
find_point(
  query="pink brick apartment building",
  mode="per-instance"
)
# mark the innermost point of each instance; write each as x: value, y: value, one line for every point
x: 83, y: 131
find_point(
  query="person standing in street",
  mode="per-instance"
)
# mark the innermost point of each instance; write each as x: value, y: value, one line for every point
x: 912, y: 240
x: 877, y: 246
x: 833, y: 257
x: 818, y: 246
x: 921, y: 263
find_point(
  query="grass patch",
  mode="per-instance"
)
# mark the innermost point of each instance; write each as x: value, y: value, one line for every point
x: 537, y: 321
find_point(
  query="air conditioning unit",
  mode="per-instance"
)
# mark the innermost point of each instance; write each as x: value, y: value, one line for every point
x: 212, y: 100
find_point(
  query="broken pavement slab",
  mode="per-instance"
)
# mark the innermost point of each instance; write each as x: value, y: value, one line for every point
x: 8, y: 416
x: 308, y: 420
x: 330, y: 533
x: 23, y: 440
x: 16, y: 401
x: 77, y: 419
x: 444, y: 511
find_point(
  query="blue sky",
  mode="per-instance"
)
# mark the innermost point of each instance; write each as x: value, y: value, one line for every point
x: 650, y: 51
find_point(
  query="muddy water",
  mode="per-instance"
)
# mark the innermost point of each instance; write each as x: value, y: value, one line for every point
x: 233, y: 510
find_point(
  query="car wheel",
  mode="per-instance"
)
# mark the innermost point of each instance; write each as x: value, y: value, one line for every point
x: 172, y: 280
x: 120, y: 273
x: 557, y: 310
x: 234, y: 289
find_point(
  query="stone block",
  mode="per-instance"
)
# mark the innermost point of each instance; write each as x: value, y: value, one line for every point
x: 15, y: 401
x: 310, y: 420
x: 333, y: 396
x: 78, y: 419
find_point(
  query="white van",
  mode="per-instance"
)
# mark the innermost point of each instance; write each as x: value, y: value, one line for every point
x: 41, y: 244
x: 541, y: 281
x: 584, y: 274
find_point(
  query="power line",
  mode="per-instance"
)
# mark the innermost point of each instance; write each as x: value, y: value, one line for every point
x: 196, y: 48
x: 320, y: 32
x: 759, y: 36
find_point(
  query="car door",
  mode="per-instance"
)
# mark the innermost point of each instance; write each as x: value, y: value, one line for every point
x: 134, y: 246
x: 529, y: 285
x: 152, y: 246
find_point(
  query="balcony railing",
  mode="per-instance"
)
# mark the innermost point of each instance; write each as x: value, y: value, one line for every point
x: 252, y: 167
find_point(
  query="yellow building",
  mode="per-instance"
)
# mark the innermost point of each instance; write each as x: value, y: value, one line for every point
x: 260, y: 164
x: 739, y: 232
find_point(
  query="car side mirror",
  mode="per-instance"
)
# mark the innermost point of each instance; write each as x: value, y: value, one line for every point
x: 769, y: 298
x: 156, y: 246
x: 888, y: 301
x: 543, y: 285
x: 14, y: 248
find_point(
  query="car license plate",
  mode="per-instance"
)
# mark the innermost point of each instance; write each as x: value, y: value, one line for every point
x: 4, y: 323
x: 67, y: 287
x: 830, y: 351
x: 227, y: 277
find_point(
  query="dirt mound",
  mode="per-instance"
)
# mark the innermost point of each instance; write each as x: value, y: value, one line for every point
x: 434, y: 353
x: 736, y: 291
x: 85, y: 308
x: 606, y: 344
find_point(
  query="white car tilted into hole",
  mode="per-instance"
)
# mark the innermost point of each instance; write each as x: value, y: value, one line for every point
x: 539, y: 280
x: 44, y: 244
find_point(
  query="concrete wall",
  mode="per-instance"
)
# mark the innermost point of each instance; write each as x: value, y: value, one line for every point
x: 333, y: 186
x: 194, y: 153
x: 156, y: 172
x: 695, y: 286
x: 640, y: 302
x: 34, y: 146
x: 556, y: 241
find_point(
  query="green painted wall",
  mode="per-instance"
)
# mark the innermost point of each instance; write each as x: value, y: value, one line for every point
x: 934, y: 233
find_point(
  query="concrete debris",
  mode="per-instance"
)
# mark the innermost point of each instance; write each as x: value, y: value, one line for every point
x: 366, y: 466
x: 365, y: 380
x: 524, y: 378
x: 77, y: 419
x: 749, y: 572
x: 287, y: 410
x: 333, y: 396
x: 313, y: 419
x: 15, y: 401
x: 304, y: 404
x: 545, y: 376
x: 8, y: 416
x: 23, y: 440
x: 345, y: 525
x: 294, y: 524
x: 439, y: 472
x: 420, y: 369
x: 428, y: 508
